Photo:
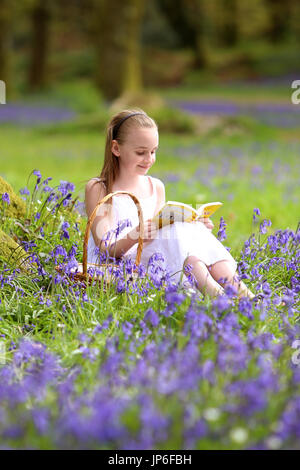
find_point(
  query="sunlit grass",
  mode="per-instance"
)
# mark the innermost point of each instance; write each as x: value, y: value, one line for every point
x: 235, y: 342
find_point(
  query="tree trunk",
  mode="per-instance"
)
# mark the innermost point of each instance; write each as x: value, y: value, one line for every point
x: 195, y: 14
x: 40, y: 21
x: 279, y: 12
x: 229, y: 33
x: 5, y: 43
x: 132, y: 78
x: 117, y: 29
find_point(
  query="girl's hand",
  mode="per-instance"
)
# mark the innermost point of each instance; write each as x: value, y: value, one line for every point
x: 207, y: 222
x: 150, y: 231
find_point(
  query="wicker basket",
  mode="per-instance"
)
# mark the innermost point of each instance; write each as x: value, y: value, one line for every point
x: 81, y: 274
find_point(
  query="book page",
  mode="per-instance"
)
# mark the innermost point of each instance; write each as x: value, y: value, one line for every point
x: 206, y: 210
x: 174, y: 211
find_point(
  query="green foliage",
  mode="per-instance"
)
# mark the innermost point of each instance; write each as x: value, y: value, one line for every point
x: 42, y: 307
x: 17, y: 207
x: 79, y: 95
x: 171, y: 120
x: 11, y: 254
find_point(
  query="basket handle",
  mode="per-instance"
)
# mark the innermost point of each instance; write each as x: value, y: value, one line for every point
x: 91, y: 220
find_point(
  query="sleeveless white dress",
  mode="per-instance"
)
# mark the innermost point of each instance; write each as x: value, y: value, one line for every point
x: 174, y: 242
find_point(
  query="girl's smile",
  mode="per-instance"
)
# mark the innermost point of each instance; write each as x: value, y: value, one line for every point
x: 140, y: 146
x: 145, y: 167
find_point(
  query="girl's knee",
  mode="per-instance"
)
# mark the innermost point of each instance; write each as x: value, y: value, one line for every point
x: 192, y: 260
x: 224, y: 262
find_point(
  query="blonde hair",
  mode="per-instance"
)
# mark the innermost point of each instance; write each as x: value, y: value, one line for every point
x: 110, y: 169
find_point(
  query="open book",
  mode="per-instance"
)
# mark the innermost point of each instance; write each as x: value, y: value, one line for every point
x: 173, y: 211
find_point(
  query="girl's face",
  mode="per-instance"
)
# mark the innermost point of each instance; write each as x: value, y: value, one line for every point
x: 137, y: 154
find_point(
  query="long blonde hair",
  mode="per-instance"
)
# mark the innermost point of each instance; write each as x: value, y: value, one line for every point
x: 110, y: 169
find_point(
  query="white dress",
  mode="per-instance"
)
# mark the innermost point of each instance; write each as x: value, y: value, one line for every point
x: 175, y: 242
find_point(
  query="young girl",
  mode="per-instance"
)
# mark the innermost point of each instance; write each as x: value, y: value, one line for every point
x: 131, y: 143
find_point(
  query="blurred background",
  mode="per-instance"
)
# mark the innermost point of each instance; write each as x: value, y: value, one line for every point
x: 215, y: 75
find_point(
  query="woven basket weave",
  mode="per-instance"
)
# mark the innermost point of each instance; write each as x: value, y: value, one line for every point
x: 81, y: 274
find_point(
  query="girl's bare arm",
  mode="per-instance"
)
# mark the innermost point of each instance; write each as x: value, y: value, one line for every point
x: 94, y: 192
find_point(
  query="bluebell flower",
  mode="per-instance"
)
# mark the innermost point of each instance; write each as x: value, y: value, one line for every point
x: 37, y: 173
x: 24, y: 191
x: 263, y: 226
x: 152, y: 317
x: 221, y: 235
x: 65, y: 187
x: 5, y: 198
x: 256, y: 212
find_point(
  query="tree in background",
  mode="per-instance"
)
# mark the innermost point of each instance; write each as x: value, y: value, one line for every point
x: 279, y: 15
x: 116, y: 31
x: 195, y: 14
x: 132, y: 78
x: 40, y: 15
x: 6, y: 10
x: 189, y: 22
x: 229, y: 24
x: 82, y: 37
x: 294, y: 20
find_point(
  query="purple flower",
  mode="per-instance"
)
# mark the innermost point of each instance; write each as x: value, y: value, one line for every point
x: 198, y: 430
x: 221, y: 303
x: 152, y: 317
x: 230, y: 290
x: 47, y: 189
x: 266, y: 289
x: 263, y: 226
x: 256, y: 212
x: 46, y: 181
x: 41, y: 419
x: 65, y: 233
x: 5, y: 198
x: 59, y: 250
x: 25, y: 191
x: 221, y: 235
x: 256, y: 170
x: 89, y: 353
x: 245, y: 307
x: 37, y: 173
x: 174, y: 297
x: 121, y: 225
x: 127, y: 329
x: 65, y: 187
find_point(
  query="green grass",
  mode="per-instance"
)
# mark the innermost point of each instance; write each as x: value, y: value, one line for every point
x: 255, y: 168
x: 77, y: 156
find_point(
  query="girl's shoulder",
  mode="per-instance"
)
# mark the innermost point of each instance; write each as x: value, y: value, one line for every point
x: 95, y: 181
x: 95, y: 190
x: 158, y: 184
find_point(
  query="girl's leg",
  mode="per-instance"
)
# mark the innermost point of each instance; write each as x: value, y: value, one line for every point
x: 205, y: 282
x: 224, y: 273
